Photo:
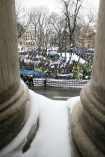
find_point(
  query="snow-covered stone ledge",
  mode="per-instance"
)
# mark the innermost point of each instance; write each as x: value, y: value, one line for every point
x: 15, y: 147
x: 52, y: 137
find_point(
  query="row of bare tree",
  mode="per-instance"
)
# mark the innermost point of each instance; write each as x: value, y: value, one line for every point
x: 59, y: 29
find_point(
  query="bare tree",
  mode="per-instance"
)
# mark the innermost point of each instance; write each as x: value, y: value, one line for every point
x: 39, y: 17
x: 71, y: 11
x: 22, y: 18
x: 59, y: 24
x: 88, y: 26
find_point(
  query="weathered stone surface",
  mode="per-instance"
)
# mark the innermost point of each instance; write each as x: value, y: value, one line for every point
x: 85, y: 134
x: 9, y: 64
x: 75, y: 150
x: 30, y: 137
x: 13, y: 118
x: 14, y: 95
x: 88, y: 116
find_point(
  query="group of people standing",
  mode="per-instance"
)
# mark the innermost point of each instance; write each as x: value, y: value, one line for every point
x: 79, y: 70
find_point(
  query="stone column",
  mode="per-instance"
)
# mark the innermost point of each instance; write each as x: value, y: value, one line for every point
x: 88, y: 116
x: 14, y: 110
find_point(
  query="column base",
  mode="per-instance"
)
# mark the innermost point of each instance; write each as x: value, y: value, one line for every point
x: 13, y: 115
x: 87, y: 139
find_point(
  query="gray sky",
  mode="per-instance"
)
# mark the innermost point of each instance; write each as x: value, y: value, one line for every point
x: 54, y: 5
x: 51, y: 4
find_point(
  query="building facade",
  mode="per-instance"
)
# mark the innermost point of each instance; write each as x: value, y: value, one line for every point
x: 87, y: 37
x: 27, y: 39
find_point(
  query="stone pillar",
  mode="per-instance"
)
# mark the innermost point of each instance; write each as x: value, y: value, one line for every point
x: 88, y: 116
x: 14, y: 110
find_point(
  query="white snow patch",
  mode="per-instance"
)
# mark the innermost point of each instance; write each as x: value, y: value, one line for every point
x: 52, y: 138
x: 18, y: 142
x: 72, y: 101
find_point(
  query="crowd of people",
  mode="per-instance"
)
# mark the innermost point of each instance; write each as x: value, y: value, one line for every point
x: 54, y: 67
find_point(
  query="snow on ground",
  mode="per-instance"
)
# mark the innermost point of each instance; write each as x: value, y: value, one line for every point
x: 52, y: 137
x: 73, y: 57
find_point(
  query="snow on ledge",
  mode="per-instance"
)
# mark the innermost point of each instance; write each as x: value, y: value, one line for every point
x: 52, y: 138
x: 20, y: 139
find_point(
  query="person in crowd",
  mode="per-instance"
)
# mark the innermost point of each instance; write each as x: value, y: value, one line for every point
x: 52, y: 70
